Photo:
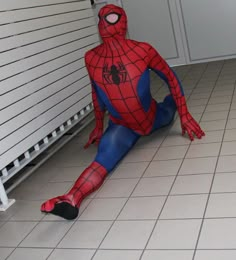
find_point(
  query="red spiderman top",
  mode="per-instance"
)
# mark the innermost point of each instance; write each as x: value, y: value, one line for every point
x: 119, y: 72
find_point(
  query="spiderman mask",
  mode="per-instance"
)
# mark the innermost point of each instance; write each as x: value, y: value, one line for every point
x: 112, y: 23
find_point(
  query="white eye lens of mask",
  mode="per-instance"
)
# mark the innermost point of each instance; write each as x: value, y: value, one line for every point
x: 112, y: 18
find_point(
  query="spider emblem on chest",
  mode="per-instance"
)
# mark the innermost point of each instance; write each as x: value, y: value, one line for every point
x: 115, y: 74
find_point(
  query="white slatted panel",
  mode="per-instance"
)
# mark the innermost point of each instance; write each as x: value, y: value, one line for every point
x: 43, y: 79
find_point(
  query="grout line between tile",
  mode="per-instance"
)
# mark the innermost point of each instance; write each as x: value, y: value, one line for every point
x: 132, y: 191
x: 204, y: 214
x: 195, y: 83
x: 129, y: 197
x: 158, y: 218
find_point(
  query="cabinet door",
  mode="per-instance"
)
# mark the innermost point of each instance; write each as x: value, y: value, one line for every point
x: 210, y: 29
x: 156, y: 22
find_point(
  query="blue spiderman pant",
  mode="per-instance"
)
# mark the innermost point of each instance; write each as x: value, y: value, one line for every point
x: 118, y: 140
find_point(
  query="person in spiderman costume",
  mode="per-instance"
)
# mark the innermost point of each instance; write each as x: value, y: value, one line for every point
x: 119, y: 72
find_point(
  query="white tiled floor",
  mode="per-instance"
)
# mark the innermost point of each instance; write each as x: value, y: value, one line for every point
x: 168, y: 199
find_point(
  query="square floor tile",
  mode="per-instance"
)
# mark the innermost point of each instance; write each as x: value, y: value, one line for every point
x: 207, y: 80
x: 53, y: 189
x: 12, y: 233
x: 231, y: 124
x: 186, y: 206
x: 215, y: 254
x: 203, y: 150
x: 200, y: 96
x: 210, y: 137
x: 67, y: 174
x: 152, y: 141
x: 129, y: 170
x: 218, y: 107
x: 85, y: 234
x: 48, y: 190
x: 120, y: 237
x: 27, y: 190
x: 140, y: 155
x: 212, y: 116
x: 228, y: 76
x: 72, y: 157
x: 40, y: 176
x: 118, y: 255
x: 46, y: 234
x: 198, y: 102
x: 168, y: 255
x: 230, y: 135
x: 153, y: 186
x: 10, y: 212
x: 226, y: 164
x: 197, y: 109
x: 218, y: 234
x: 176, y: 129
x: 29, y: 211
x: 222, y: 85
x: 170, y: 153
x: 233, y: 105
x: 192, y: 184
x: 5, y: 252
x: 198, y: 165
x: 77, y: 254
x: 30, y: 253
x: 103, y: 209
x: 221, y: 93
x: 228, y: 148
x: 175, y: 234
x: 163, y: 168
x: 117, y: 188
x: 213, y: 125
x: 142, y: 208
x: 224, y: 182
x: 175, y: 138
x: 225, y: 80
x: 232, y: 114
x: 220, y: 100
x: 2, y: 223
x: 221, y: 205
x: 197, y: 117
x: 203, y: 87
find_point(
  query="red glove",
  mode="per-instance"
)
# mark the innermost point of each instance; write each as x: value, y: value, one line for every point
x: 190, y: 126
x: 94, y: 137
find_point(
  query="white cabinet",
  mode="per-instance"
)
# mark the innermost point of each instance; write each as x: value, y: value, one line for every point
x: 185, y: 31
x: 210, y: 28
x: 156, y: 22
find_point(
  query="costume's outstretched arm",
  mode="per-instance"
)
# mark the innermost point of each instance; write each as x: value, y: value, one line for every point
x: 159, y: 65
